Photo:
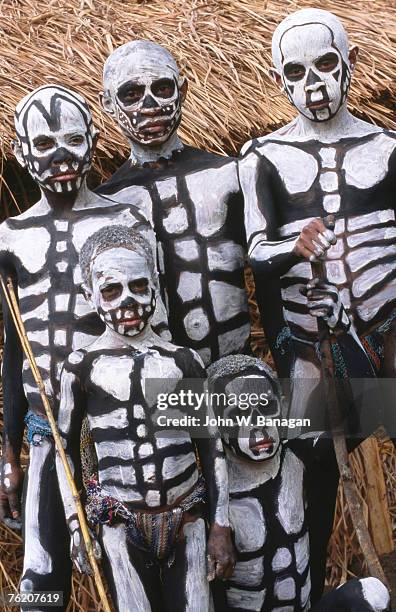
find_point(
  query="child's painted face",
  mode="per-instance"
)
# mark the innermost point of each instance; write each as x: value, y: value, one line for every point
x: 143, y: 93
x: 123, y: 291
x: 56, y: 139
x: 257, y: 398
x: 314, y: 74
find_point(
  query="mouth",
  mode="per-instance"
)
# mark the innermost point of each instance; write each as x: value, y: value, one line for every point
x: 321, y: 105
x: 261, y: 441
x: 155, y: 127
x: 129, y: 322
x: 64, y: 176
x: 129, y: 319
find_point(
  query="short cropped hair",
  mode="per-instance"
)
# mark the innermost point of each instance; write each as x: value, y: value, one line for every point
x: 232, y: 366
x: 113, y: 237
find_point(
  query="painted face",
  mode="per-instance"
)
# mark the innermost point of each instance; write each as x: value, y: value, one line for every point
x: 249, y: 440
x: 123, y: 292
x: 314, y: 73
x: 56, y: 137
x: 149, y: 107
x: 142, y: 90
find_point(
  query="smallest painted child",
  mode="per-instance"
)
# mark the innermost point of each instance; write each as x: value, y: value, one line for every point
x: 271, y: 507
x: 149, y: 498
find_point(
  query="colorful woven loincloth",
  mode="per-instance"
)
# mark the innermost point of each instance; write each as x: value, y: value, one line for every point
x: 373, y: 344
x: 155, y: 533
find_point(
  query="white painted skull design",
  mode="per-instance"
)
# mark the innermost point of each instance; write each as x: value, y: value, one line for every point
x: 123, y: 290
x: 55, y: 138
x: 312, y: 60
x: 143, y: 92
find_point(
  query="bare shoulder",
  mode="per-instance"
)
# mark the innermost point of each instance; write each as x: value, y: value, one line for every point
x: 191, y: 360
x: 136, y: 196
x: 283, y: 133
x: 39, y: 209
x: 129, y: 195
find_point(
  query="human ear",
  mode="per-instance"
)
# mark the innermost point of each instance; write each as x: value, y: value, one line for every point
x: 352, y: 56
x: 95, y: 138
x: 107, y: 103
x: 275, y: 76
x: 183, y: 90
x: 87, y: 293
x: 17, y: 150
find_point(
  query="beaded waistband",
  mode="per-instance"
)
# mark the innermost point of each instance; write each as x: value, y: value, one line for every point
x: 38, y: 428
x: 155, y: 533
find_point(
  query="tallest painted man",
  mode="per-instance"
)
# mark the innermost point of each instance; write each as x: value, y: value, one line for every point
x: 325, y: 162
x: 197, y: 210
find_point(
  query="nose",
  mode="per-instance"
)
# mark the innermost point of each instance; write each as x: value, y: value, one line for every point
x: 149, y: 106
x: 128, y: 301
x: 313, y: 82
x: 61, y: 156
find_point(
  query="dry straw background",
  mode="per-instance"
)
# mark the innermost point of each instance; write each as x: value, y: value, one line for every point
x: 223, y: 46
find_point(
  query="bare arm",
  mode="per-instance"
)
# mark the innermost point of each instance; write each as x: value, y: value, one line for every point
x: 221, y: 558
x: 269, y: 254
x: 14, y: 411
x: 71, y: 413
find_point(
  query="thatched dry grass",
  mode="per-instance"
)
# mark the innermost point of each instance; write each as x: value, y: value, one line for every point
x: 223, y: 46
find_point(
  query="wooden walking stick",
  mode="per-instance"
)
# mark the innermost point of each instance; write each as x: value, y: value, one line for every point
x: 12, y: 303
x: 338, y: 434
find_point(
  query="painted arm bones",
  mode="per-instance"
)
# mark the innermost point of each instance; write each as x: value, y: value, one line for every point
x: 221, y: 558
x: 14, y: 411
x: 71, y: 413
x: 268, y: 253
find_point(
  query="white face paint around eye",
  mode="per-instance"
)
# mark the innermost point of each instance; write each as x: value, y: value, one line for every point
x: 256, y: 399
x: 123, y: 290
x: 149, y: 107
x: 55, y: 130
x: 314, y: 73
x: 143, y: 82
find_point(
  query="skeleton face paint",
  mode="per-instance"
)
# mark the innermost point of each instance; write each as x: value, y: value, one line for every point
x: 123, y: 290
x: 55, y: 133
x: 250, y: 440
x: 142, y: 87
x: 310, y: 52
x: 314, y: 74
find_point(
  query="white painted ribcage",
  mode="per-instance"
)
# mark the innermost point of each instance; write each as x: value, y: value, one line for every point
x: 362, y: 265
x: 137, y: 459
x: 208, y: 276
x: 52, y: 341
x: 57, y: 317
x: 137, y: 471
x: 251, y: 586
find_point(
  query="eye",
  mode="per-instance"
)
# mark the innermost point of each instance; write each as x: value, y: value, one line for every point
x: 75, y: 140
x: 163, y: 88
x: 111, y: 292
x: 130, y: 93
x: 327, y: 62
x: 294, y: 72
x: 139, y: 285
x: 43, y: 143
